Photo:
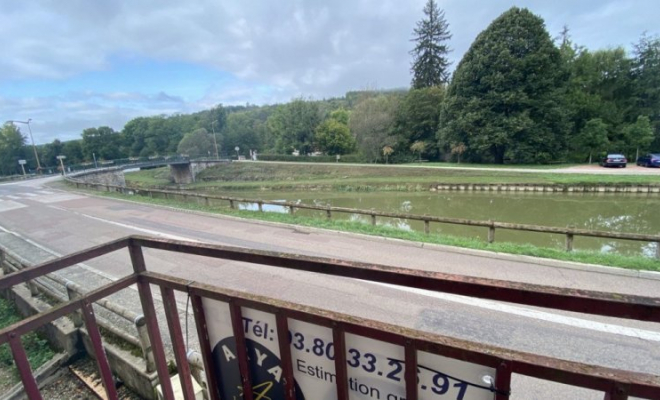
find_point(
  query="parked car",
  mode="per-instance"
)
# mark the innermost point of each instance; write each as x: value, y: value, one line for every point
x: 614, y: 160
x: 649, y: 160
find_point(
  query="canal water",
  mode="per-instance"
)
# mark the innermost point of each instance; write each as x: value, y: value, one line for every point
x: 629, y: 213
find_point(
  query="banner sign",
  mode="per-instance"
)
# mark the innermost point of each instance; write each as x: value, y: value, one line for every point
x: 375, y: 369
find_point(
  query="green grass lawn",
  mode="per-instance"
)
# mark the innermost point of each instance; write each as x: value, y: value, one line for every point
x: 293, y: 176
x: 588, y: 257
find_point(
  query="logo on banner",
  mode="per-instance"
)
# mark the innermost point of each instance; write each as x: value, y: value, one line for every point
x: 265, y: 370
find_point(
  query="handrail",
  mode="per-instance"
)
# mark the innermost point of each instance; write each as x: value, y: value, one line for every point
x: 569, y: 232
x: 612, y: 381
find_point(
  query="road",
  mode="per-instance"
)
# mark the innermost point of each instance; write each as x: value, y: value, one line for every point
x: 64, y: 222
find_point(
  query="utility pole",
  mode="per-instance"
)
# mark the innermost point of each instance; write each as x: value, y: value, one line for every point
x: 215, y: 143
x: 95, y: 164
x: 36, y: 155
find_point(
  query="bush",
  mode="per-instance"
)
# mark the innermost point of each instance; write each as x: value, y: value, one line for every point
x: 348, y: 158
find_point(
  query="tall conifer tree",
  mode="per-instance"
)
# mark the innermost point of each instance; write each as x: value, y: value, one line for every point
x: 430, y: 64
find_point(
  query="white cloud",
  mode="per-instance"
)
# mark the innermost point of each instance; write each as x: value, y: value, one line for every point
x: 275, y: 50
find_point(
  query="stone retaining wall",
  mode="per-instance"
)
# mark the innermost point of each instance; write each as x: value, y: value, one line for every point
x: 547, y: 188
x: 108, y: 176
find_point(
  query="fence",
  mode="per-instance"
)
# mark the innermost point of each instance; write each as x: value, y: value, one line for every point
x: 614, y: 383
x: 61, y: 290
x: 569, y: 232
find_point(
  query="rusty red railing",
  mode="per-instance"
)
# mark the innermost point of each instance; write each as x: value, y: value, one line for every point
x: 614, y: 383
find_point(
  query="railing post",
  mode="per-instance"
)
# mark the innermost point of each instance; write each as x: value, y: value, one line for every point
x: 569, y: 239
x: 373, y: 219
x: 292, y: 210
x: 145, y: 343
x: 328, y: 214
x: 206, y: 201
x: 427, y: 227
x: 76, y: 316
x: 503, y: 381
x: 231, y: 204
x: 491, y: 232
x: 617, y: 392
x: 261, y: 206
x: 151, y: 320
x: 657, y: 250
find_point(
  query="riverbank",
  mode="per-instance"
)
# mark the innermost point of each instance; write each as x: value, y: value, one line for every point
x: 253, y: 176
x: 587, y: 257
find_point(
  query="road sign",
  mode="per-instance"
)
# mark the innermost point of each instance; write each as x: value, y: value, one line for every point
x: 22, y: 162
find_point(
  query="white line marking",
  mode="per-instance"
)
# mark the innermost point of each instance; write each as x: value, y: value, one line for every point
x: 9, y: 205
x: 540, y: 315
x: 56, y: 254
x: 128, y: 226
x: 13, y: 197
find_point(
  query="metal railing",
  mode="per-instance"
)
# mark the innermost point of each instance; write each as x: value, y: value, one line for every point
x: 61, y: 290
x: 568, y: 232
x: 614, y: 383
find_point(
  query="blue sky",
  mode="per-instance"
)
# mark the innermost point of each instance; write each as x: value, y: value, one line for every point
x: 73, y: 64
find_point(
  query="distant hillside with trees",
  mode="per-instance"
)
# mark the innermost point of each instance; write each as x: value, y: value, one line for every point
x: 517, y: 96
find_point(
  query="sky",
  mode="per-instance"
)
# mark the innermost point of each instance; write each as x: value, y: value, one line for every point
x: 73, y: 64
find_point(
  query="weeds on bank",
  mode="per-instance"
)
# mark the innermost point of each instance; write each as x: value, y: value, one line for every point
x: 37, y: 349
x: 587, y: 257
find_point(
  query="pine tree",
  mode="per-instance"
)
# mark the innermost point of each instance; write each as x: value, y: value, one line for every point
x: 430, y: 64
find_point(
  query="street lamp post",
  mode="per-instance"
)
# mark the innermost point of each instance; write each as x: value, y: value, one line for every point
x: 36, y: 156
x: 237, y: 149
x: 215, y: 143
x: 61, y: 158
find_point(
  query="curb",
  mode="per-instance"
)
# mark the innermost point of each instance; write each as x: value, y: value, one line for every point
x: 546, y: 262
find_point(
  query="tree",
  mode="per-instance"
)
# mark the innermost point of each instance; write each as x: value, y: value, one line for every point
x: 593, y: 137
x: 244, y: 130
x: 458, y: 149
x: 50, y: 153
x: 646, y: 74
x: 418, y: 147
x: 73, y: 151
x: 372, y: 123
x: 333, y: 135
x: 418, y: 116
x: 640, y: 134
x: 196, y: 144
x: 12, y: 144
x: 430, y: 66
x: 387, y: 151
x: 102, y: 143
x: 294, y: 125
x: 504, y: 101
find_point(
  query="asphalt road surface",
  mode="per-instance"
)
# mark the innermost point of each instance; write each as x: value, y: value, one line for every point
x: 63, y: 222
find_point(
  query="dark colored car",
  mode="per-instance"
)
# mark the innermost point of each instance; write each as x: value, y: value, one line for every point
x: 614, y: 160
x: 649, y: 160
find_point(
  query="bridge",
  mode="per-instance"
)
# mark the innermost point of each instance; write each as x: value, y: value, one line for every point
x: 184, y: 170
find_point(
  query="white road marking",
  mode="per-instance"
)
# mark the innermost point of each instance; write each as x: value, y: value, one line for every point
x: 486, y: 304
x: 128, y: 226
x: 28, y: 194
x: 13, y: 197
x: 56, y: 254
x: 55, y: 198
x: 8, y: 205
x: 529, y: 313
